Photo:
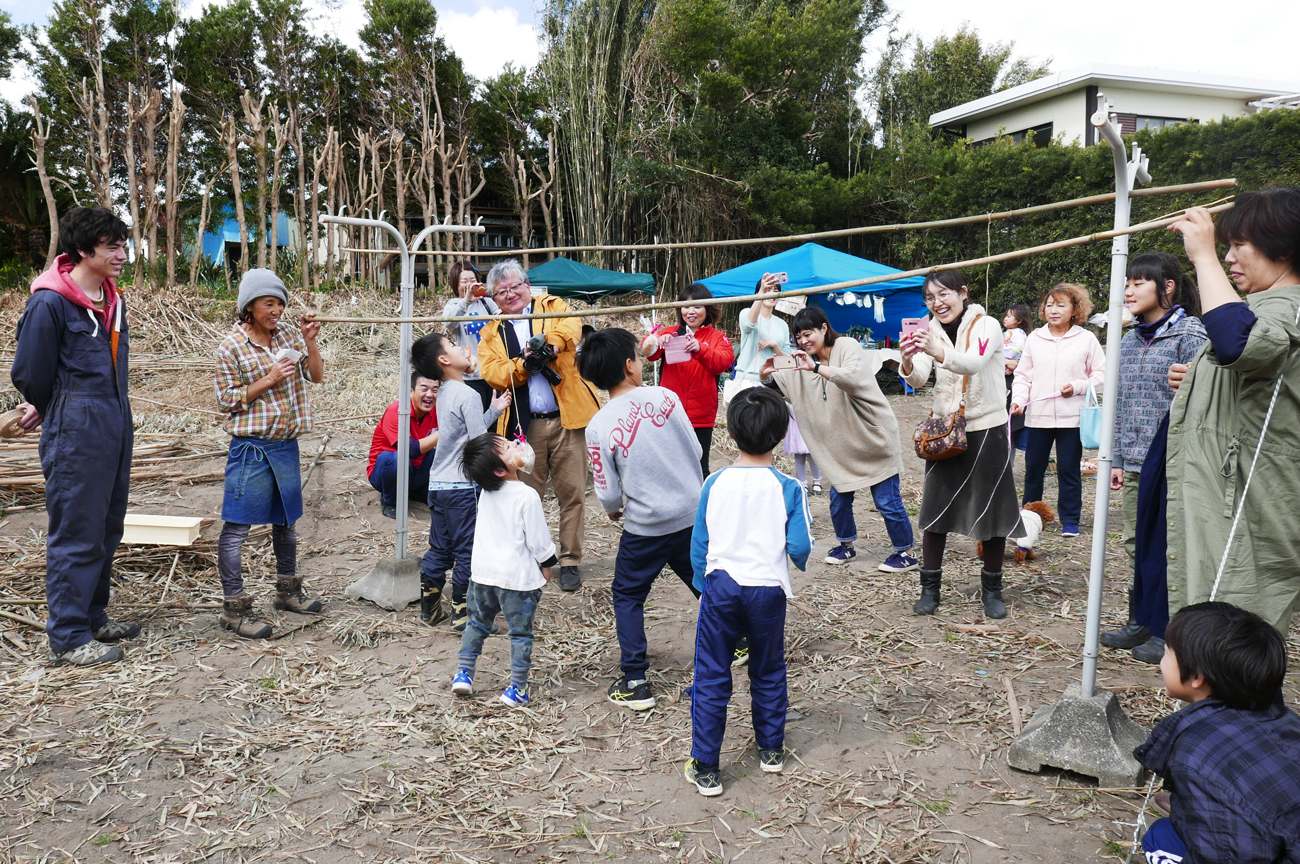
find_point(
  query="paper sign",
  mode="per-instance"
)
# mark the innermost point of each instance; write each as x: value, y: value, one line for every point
x: 791, y: 305
x: 675, y: 350
x: 288, y: 354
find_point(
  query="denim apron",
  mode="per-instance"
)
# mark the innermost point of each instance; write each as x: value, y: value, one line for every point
x: 263, y: 482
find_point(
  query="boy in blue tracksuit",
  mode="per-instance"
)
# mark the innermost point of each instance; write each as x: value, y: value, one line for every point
x: 70, y: 366
x: 751, y: 517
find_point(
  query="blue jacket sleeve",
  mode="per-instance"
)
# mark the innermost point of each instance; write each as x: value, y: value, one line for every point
x: 798, y: 522
x: 36, y: 359
x: 1229, y: 327
x: 700, y: 536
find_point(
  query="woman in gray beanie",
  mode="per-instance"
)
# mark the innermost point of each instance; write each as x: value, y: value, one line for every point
x: 259, y: 384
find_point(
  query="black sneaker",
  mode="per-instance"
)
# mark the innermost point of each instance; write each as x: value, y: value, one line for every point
x: 771, y: 761
x: 390, y: 510
x: 570, y: 580
x: 634, y: 694
x: 740, y: 656
x: 707, y: 781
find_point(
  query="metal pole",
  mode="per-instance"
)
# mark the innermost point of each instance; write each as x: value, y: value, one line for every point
x: 404, y: 359
x: 1126, y: 174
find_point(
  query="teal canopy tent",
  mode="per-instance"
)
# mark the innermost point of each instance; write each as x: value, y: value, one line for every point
x: 565, y: 278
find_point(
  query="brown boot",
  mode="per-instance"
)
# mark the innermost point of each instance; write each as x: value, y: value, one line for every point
x: 290, y: 596
x: 238, y: 616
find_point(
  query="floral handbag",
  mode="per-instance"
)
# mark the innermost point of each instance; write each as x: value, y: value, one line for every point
x: 939, y: 438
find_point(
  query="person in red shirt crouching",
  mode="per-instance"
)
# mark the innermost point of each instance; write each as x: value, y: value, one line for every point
x: 382, y: 469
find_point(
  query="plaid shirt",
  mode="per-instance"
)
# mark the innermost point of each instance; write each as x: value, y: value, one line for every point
x: 1234, y: 779
x: 279, y: 413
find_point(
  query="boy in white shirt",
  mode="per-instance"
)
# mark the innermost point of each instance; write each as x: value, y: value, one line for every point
x: 751, y: 517
x: 512, y: 559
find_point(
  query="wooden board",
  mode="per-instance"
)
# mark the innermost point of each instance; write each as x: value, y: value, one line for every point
x: 143, y: 528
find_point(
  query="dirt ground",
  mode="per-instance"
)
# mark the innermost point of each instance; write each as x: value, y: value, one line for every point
x: 341, y: 741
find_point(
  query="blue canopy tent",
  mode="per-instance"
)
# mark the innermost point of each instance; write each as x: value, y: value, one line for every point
x: 811, y: 265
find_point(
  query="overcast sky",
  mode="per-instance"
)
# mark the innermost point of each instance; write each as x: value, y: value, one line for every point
x: 1247, y: 38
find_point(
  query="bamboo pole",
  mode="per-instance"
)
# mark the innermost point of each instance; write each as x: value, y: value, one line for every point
x: 820, y: 289
x: 842, y: 232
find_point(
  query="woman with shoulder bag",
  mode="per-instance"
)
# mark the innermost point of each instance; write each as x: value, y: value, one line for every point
x: 970, y: 492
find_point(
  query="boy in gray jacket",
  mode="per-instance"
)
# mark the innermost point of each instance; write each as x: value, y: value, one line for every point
x: 645, y: 465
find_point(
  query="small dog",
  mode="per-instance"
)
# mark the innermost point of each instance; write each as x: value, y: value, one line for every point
x: 1033, y: 517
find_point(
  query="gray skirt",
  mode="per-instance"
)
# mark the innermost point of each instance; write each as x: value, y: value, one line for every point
x: 975, y: 493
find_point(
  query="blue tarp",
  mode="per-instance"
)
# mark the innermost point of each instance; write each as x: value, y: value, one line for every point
x: 214, y: 242
x: 811, y: 265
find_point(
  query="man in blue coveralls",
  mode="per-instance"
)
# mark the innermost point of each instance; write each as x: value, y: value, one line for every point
x: 71, y: 368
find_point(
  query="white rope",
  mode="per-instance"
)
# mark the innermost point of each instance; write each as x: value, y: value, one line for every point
x: 1140, y: 825
x: 1241, y: 505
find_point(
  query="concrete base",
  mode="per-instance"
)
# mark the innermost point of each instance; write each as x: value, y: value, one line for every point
x: 1088, y: 736
x: 393, y: 584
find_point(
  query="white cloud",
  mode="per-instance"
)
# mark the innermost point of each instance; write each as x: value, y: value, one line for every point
x: 487, y: 39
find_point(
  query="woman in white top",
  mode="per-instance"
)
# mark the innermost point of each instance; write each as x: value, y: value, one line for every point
x: 762, y: 334
x: 465, y: 334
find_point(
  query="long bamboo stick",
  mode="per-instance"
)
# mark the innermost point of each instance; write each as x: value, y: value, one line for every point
x: 824, y: 235
x: 820, y: 289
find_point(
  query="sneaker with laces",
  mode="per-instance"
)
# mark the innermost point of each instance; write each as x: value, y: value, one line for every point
x: 1068, y: 530
x: 740, y: 656
x: 772, y: 761
x: 841, y: 554
x: 816, y: 487
x: 634, y: 694
x: 707, y: 780
x: 899, y: 562
x: 570, y: 579
x: 462, y: 683
x: 115, y: 630
x: 514, y: 697
x: 91, y: 653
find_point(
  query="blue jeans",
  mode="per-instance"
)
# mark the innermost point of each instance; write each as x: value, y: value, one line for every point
x: 519, y: 609
x: 1069, y: 453
x: 889, y: 502
x: 727, y: 612
x: 384, y: 477
x: 452, y: 514
x: 640, y: 560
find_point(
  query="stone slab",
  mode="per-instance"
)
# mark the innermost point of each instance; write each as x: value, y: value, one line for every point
x: 1091, y: 736
x: 393, y: 584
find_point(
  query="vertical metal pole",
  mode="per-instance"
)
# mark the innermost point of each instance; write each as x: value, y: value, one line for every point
x: 1126, y: 174
x: 404, y: 406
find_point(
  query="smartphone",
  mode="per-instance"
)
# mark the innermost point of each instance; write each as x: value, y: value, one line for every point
x: 910, y: 326
x: 784, y: 361
x: 782, y: 278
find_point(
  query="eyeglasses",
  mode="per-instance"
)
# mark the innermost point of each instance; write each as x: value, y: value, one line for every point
x: 945, y: 294
x: 506, y: 289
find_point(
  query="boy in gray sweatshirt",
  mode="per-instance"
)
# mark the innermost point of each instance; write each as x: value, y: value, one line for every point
x: 453, y: 500
x: 645, y: 465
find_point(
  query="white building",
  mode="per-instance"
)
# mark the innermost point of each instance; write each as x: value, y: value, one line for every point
x: 1058, y: 106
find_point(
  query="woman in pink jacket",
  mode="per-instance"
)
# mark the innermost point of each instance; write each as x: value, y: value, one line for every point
x: 1050, y: 388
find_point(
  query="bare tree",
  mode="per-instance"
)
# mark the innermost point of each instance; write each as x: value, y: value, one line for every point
x: 230, y: 141
x: 257, y: 139
x: 279, y: 130
x: 40, y: 135
x: 175, y: 118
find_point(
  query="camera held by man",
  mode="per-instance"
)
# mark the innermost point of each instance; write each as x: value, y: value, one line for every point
x: 539, y: 356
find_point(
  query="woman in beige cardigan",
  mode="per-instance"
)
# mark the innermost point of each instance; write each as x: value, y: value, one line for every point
x: 850, y: 431
x: 973, y: 493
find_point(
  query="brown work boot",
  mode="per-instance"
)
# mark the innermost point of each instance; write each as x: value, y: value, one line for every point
x: 238, y: 616
x: 290, y: 597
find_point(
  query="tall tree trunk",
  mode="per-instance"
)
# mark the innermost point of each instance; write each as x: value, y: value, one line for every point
x: 306, y: 227
x: 174, y: 129
x: 230, y: 139
x: 257, y: 129
x: 280, y: 131
x: 133, y: 185
x: 40, y: 135
x: 203, y: 227
x: 151, y: 110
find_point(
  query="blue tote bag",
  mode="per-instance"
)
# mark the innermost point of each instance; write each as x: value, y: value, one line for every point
x: 1090, y: 421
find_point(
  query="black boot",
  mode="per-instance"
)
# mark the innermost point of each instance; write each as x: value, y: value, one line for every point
x: 1151, y: 651
x: 1131, y: 635
x: 431, y: 611
x: 930, y: 581
x: 991, y: 594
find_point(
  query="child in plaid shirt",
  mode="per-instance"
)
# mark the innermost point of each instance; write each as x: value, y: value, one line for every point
x: 1231, y: 758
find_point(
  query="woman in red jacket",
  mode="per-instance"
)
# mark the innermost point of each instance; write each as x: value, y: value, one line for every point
x: 695, y: 353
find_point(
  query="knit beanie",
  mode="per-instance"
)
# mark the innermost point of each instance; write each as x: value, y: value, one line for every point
x: 260, y: 282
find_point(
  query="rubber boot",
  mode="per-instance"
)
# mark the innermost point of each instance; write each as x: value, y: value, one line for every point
x: 238, y: 616
x: 290, y: 596
x: 431, y: 611
x: 1131, y: 635
x: 991, y: 594
x: 459, y: 608
x: 929, y: 601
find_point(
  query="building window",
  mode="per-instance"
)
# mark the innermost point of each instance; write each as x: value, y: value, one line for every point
x: 1042, y: 135
x: 1130, y: 123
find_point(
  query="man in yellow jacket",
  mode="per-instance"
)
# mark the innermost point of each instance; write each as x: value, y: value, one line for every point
x: 551, y: 414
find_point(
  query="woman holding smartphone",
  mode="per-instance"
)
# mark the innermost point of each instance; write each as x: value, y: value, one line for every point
x: 463, y: 277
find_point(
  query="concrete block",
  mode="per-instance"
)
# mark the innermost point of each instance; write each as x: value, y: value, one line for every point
x: 393, y: 584
x: 1088, y: 736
